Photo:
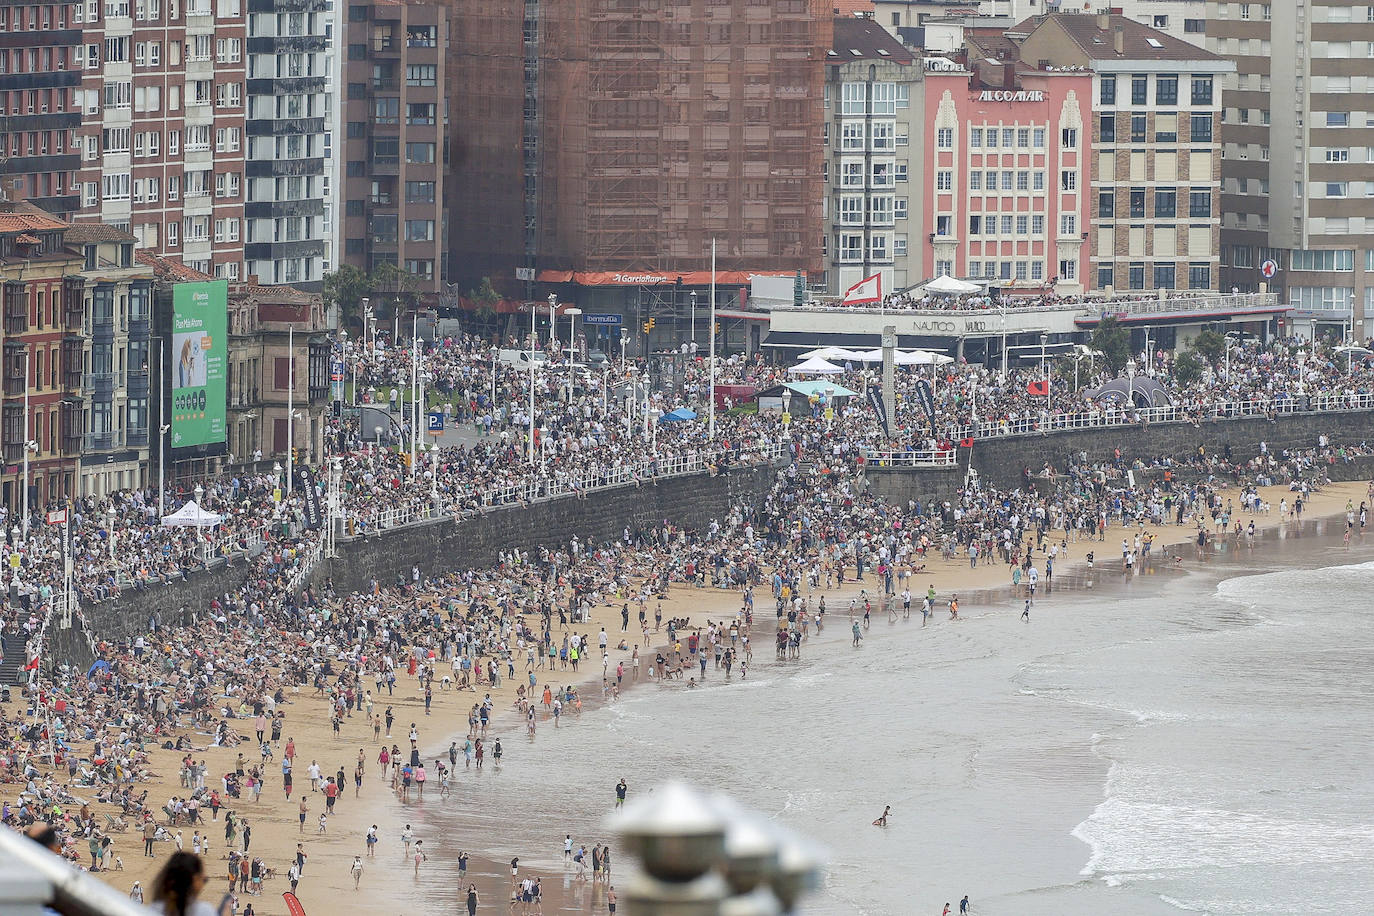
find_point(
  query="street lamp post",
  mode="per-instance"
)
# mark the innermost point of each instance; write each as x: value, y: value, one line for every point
x: 693, y: 297
x: 786, y: 413
x: 276, y: 491
x: 111, y: 529
x: 200, y: 527
x: 1044, y: 370
x: 290, y: 402
x: 26, y: 441
x: 553, y: 323
x: 494, y: 353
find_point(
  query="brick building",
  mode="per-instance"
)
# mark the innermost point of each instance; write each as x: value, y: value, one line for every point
x: 395, y: 133
x: 162, y: 139
x: 43, y: 348
x: 40, y: 65
x: 620, y: 139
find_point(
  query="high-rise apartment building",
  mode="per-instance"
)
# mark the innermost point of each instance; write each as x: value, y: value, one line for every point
x: 40, y: 65
x: 162, y: 136
x: 620, y: 139
x: 287, y: 84
x: 873, y: 137
x: 1155, y: 116
x: 395, y: 121
x: 1298, y: 156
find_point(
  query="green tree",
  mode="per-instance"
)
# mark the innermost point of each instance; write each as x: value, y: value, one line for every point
x: 1187, y: 367
x: 1113, y: 341
x: 485, y: 298
x: 397, y: 286
x: 1210, y: 345
x: 346, y: 288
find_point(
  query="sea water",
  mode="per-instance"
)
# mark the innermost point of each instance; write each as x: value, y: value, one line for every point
x: 1193, y: 737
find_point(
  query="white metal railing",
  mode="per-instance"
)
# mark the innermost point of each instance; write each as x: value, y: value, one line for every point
x: 927, y: 458
x: 1175, y: 413
x: 1143, y: 305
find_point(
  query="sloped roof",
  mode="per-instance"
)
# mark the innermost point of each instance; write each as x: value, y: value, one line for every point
x: 25, y: 217
x: 863, y: 39
x: 167, y: 269
x: 94, y: 233
x: 1140, y: 42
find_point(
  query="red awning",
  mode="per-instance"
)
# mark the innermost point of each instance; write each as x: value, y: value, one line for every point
x: 655, y: 277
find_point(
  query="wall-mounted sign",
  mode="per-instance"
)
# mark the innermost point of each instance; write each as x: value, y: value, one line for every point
x: 943, y: 65
x: 1012, y: 95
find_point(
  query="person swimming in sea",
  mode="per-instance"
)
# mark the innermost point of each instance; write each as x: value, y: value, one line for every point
x: 882, y: 820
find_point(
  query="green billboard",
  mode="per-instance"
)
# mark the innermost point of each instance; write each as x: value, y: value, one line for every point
x: 199, y: 362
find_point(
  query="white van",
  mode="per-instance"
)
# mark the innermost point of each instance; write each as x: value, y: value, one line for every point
x: 520, y: 359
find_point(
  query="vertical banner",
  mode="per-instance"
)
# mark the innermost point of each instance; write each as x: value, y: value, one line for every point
x: 305, y: 483
x: 875, y: 400
x: 927, y: 399
x: 199, y: 363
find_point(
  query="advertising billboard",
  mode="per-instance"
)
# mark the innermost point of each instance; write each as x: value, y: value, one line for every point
x: 199, y: 363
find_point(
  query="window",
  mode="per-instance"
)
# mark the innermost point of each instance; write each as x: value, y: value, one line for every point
x: 975, y: 137
x: 419, y: 192
x: 899, y: 245
x: 421, y: 74
x: 1140, y: 89
x: 1199, y: 276
x: 1022, y: 225
x: 1137, y: 210
x: 1068, y: 225
x: 901, y: 171
x: 975, y: 224
x: 882, y: 135
x: 419, y: 230
x: 1006, y: 225
x: 1021, y: 270
x: 1135, y: 276
x: 1328, y: 260
x: 1104, y: 277
x: 1338, y: 119
x: 851, y: 209
x: 899, y: 207
x: 944, y: 138
x: 853, y: 99
x: 1068, y: 180
x: 1038, y: 181
x: 1023, y: 138
x: 1039, y: 138
x: 1068, y: 138
x: 1107, y: 129
x: 1166, y: 128
x: 992, y: 138
x: 851, y: 246
x: 1106, y: 94
x: 1038, y: 224
x: 1023, y: 181
x: 1166, y: 90
x: 420, y: 152
x: 1164, y: 276
x: 1166, y: 203
x: 1199, y: 204
x: 1201, y: 128
x: 1068, y: 269
x: 1008, y: 137
x: 943, y: 225
x: 1007, y: 179
x: 852, y: 173
x: 1337, y: 189
x: 944, y: 181
x: 1138, y: 128
x: 975, y: 180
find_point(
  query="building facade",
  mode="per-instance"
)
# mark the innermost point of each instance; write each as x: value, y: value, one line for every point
x: 278, y: 367
x: 41, y: 58
x: 1298, y: 156
x: 644, y: 133
x: 395, y: 132
x: 43, y: 358
x: 116, y: 291
x: 1007, y: 155
x: 162, y: 137
x: 288, y: 101
x: 873, y: 131
x: 1155, y: 120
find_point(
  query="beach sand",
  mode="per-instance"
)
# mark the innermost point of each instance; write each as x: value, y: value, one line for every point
x: 389, y: 883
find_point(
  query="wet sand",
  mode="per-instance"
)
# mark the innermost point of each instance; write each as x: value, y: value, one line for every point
x: 389, y: 882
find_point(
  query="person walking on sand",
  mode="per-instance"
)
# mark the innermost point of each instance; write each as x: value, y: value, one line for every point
x: 472, y: 900
x: 954, y: 607
x: 882, y: 818
x: 1025, y: 614
x: 357, y: 870
x: 372, y: 842
x: 419, y: 856
x: 858, y: 634
x: 963, y: 905
x: 621, y: 790
x: 610, y: 899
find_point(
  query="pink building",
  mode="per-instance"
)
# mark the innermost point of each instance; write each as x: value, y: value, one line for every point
x: 1006, y: 180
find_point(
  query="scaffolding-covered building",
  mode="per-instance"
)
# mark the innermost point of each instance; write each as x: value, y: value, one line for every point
x: 603, y: 144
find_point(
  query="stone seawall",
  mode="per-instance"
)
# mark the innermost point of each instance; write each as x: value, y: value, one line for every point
x: 999, y: 462
x: 689, y: 502
x: 694, y: 501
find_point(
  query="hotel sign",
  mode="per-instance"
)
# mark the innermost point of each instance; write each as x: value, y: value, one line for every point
x: 1010, y: 95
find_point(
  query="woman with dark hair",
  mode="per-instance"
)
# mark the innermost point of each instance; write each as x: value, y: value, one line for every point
x: 176, y: 887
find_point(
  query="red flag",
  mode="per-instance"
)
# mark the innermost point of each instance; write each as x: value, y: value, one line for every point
x: 1041, y: 388
x: 33, y: 665
x: 966, y: 442
x: 293, y: 906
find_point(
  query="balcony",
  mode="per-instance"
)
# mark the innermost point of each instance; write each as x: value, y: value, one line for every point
x: 287, y: 85
x: 105, y: 441
x: 386, y: 165
x: 283, y: 168
x: 295, y: 44
x: 138, y: 383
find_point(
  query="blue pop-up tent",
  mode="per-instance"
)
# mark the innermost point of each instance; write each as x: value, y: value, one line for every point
x: 677, y: 416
